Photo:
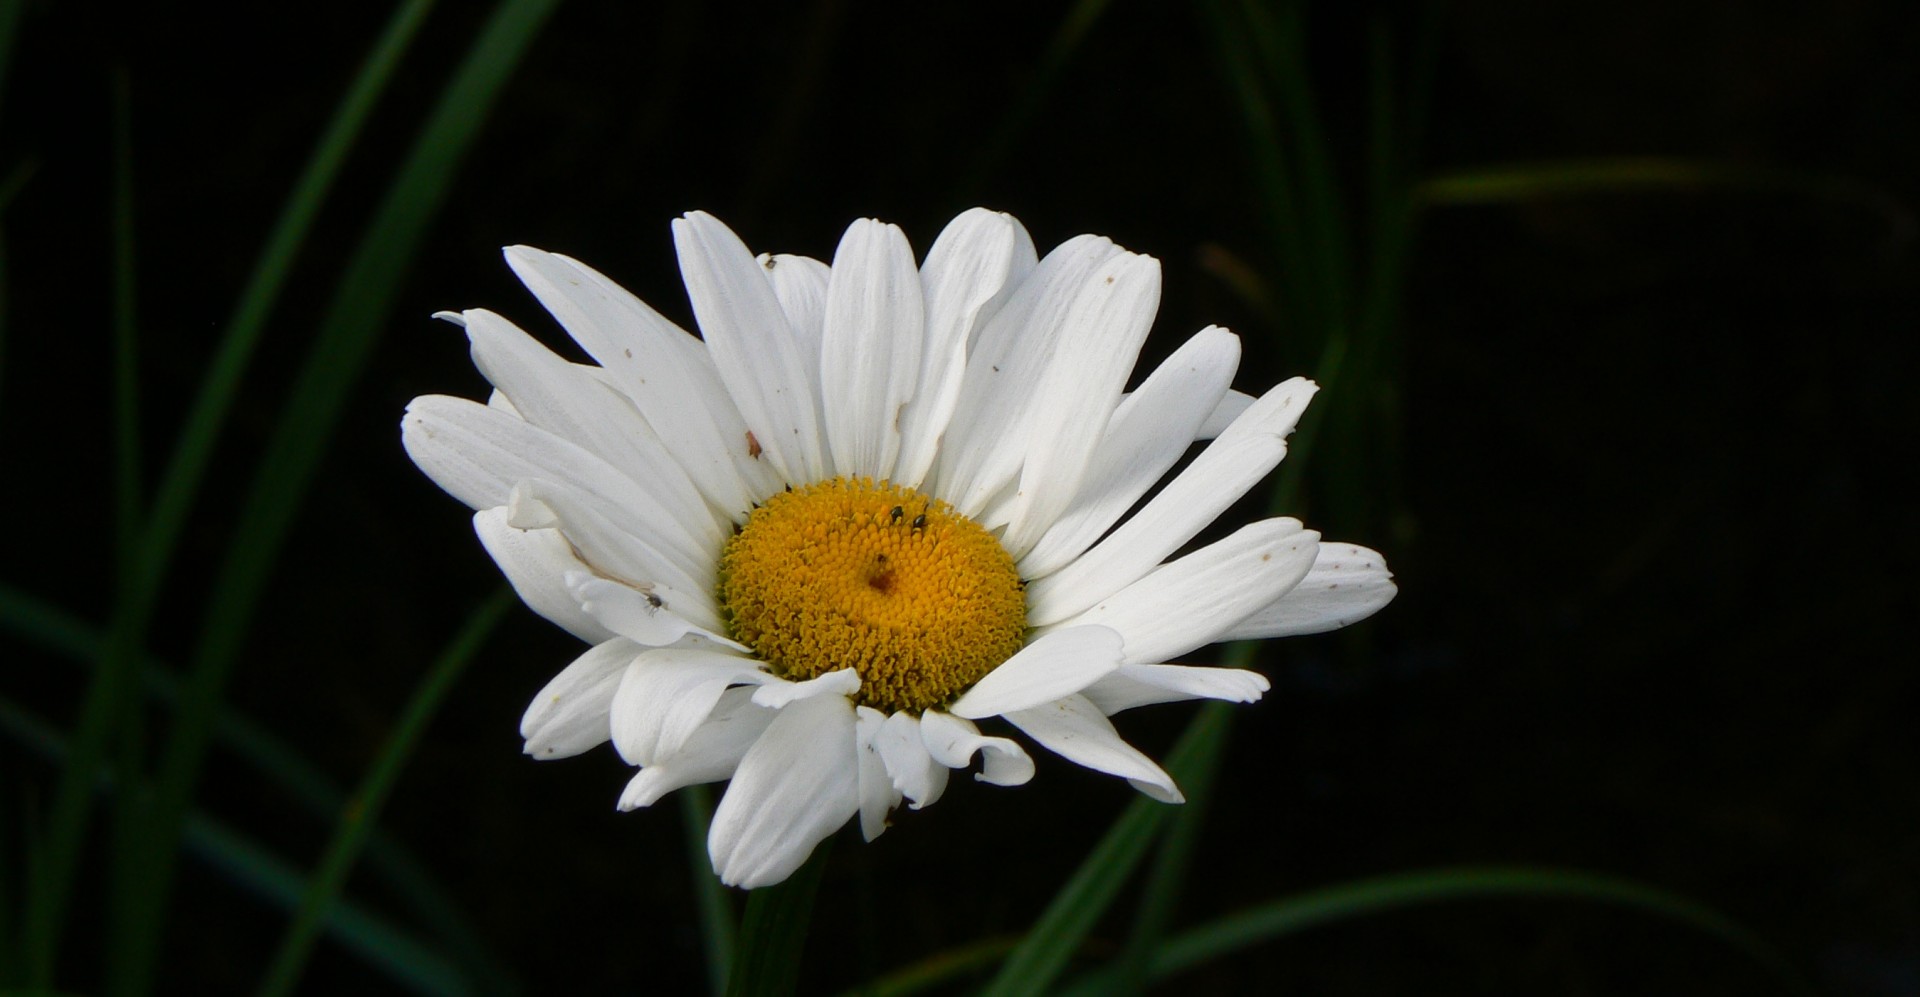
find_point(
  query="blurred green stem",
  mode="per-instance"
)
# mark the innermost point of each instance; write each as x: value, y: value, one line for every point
x: 384, y: 944
x: 362, y: 812
x: 1056, y: 935
x: 717, y: 928
x: 61, y: 632
x: 138, y: 589
x: 774, y: 933
x: 1399, y: 891
x: 357, y: 313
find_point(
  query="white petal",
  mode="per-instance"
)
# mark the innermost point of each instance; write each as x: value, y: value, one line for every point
x: 1216, y: 479
x: 711, y: 754
x: 986, y: 439
x: 1346, y: 584
x: 664, y: 371
x: 1190, y: 602
x: 568, y: 401
x: 1076, y: 730
x: 952, y: 742
x: 644, y: 617
x: 1099, y: 341
x: 797, y: 784
x: 599, y: 535
x: 914, y: 773
x: 1057, y: 664
x: 1231, y: 405
x: 752, y: 346
x: 966, y: 272
x: 800, y: 285
x: 477, y: 454
x: 666, y: 694
x: 536, y: 563
x: 1149, y: 432
x: 779, y: 692
x: 870, y: 356
x: 1142, y: 685
x: 569, y: 715
x: 877, y: 795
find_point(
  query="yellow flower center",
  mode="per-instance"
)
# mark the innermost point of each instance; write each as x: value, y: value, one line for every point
x: 882, y: 579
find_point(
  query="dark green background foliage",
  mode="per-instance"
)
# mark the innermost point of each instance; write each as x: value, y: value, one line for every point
x: 1618, y: 400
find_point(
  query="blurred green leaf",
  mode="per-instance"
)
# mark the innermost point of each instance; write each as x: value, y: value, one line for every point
x: 936, y: 969
x: 107, y: 697
x: 717, y: 928
x: 67, y: 636
x: 362, y: 814
x: 1167, y: 878
x: 1067, y: 39
x: 1056, y: 936
x: 773, y: 935
x: 1382, y: 894
x: 351, y: 324
x: 401, y: 957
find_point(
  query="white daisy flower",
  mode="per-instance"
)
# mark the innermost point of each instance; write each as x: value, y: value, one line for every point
x: 872, y: 504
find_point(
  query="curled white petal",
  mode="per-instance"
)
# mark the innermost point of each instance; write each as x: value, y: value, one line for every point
x: 878, y: 796
x: 953, y: 742
x: 779, y: 692
x: 904, y: 752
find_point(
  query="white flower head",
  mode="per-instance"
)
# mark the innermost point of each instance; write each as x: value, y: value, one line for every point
x: 871, y: 504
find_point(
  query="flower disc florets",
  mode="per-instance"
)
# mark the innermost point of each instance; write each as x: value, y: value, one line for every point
x: 919, y: 600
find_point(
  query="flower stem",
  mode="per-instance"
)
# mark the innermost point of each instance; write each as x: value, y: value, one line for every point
x: 767, y: 959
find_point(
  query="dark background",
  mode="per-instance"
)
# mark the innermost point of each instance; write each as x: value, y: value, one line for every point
x: 1639, y: 488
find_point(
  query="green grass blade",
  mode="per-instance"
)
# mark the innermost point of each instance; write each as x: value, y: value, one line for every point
x: 1272, y: 170
x: 1520, y: 182
x: 100, y: 714
x: 774, y: 933
x: 937, y: 969
x: 1067, y: 39
x: 395, y: 953
x: 10, y: 11
x: 1043, y: 953
x: 360, y: 816
x: 254, y: 868
x: 1278, y: 32
x: 1166, y: 879
x: 1381, y: 894
x: 717, y: 928
x: 358, y: 311
x: 10, y: 186
x: 204, y: 423
x: 69, y: 637
x: 3, y: 329
x: 126, y: 376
